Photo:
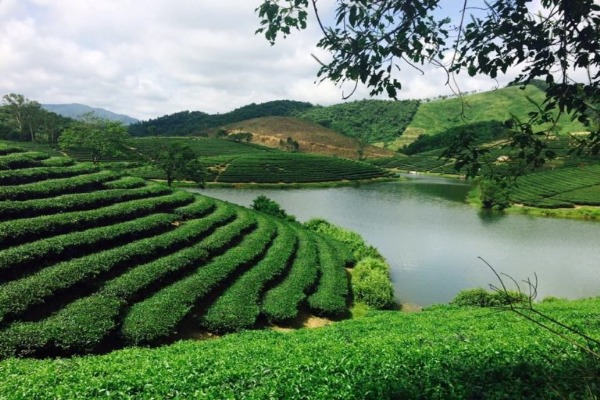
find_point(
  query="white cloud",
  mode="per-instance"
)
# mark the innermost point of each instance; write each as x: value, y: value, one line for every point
x: 154, y: 57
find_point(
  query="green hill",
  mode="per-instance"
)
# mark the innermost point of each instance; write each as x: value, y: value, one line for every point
x: 373, y: 121
x: 309, y: 136
x: 91, y: 260
x: 199, y: 123
x: 439, y: 116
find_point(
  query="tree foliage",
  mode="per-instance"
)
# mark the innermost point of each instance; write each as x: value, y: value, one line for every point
x: 266, y: 205
x: 197, y: 122
x: 370, y: 120
x: 99, y: 136
x: 26, y: 120
x: 370, y: 42
x: 179, y: 161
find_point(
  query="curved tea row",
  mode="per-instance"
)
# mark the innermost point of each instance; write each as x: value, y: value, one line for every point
x: 91, y: 261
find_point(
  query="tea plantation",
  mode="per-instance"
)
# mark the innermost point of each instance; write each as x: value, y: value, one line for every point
x: 98, y: 269
x: 92, y: 261
x: 445, y: 353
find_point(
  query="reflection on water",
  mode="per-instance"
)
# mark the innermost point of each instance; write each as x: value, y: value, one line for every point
x: 432, y: 239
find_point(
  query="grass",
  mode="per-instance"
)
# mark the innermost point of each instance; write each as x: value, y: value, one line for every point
x: 444, y: 353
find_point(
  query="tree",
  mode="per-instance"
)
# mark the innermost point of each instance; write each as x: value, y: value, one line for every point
x: 99, y: 136
x: 371, y: 41
x: 26, y: 115
x: 179, y: 161
x: 266, y: 205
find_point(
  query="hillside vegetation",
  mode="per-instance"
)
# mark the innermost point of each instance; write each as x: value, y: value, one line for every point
x: 443, y: 353
x: 200, y: 123
x: 372, y: 121
x: 438, y: 116
x: 232, y: 162
x: 311, y: 137
x: 91, y: 261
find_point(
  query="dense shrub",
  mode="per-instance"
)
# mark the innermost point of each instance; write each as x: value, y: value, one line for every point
x: 351, y: 239
x: 266, y: 205
x: 479, y: 297
x: 371, y: 284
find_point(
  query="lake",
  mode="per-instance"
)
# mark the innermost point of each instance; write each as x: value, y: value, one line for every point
x: 432, y: 238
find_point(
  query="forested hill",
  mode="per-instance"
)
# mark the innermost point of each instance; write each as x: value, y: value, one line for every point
x: 372, y: 121
x: 197, y: 122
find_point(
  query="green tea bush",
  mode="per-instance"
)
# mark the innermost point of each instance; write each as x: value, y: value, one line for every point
x: 57, y: 162
x: 449, y: 353
x: 55, y: 187
x: 77, y: 202
x: 30, y: 229
x: 331, y: 296
x: 158, y: 316
x: 126, y: 182
x: 238, y: 307
x: 479, y: 297
x: 20, y: 295
x: 282, y: 302
x: 26, y: 258
x: 27, y: 159
x: 28, y: 175
x: 4, y: 150
x: 371, y: 284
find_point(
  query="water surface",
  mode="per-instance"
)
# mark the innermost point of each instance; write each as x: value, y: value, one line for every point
x: 432, y: 238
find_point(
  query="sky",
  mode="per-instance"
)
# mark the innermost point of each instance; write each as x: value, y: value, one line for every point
x: 148, y: 58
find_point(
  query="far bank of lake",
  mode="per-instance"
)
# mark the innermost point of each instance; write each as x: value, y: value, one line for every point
x: 433, y: 239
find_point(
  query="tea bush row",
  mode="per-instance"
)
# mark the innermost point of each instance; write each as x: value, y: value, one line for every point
x: 589, y: 196
x: 55, y: 187
x: 199, y: 208
x: 296, y: 168
x: 238, y: 307
x: 158, y: 316
x: 331, y: 296
x: 26, y: 258
x: 10, y: 209
x: 5, y: 150
x: 29, y: 175
x: 281, y: 303
x: 82, y: 325
x: 22, y: 160
x: 19, y: 295
x: 30, y: 229
x: 221, y: 228
x: 126, y: 182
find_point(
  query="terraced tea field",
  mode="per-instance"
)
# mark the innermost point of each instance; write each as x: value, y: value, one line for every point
x: 564, y: 187
x: 91, y: 260
x: 288, y: 168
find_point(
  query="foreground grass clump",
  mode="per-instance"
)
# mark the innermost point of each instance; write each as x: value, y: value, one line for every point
x: 444, y: 353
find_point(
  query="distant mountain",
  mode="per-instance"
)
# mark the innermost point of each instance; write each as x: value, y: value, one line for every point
x: 76, y: 111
